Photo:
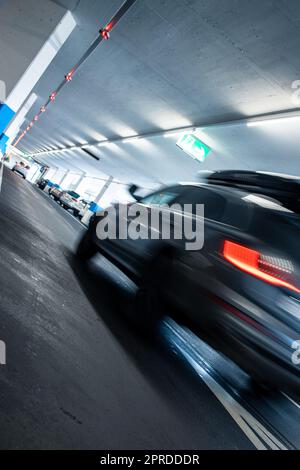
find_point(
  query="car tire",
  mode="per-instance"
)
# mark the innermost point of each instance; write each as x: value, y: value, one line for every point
x: 149, y: 306
x: 144, y: 312
x: 65, y: 207
x: 76, y: 213
x: 86, y: 249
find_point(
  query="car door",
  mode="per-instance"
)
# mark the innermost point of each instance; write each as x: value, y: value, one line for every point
x: 194, y: 270
x: 135, y: 253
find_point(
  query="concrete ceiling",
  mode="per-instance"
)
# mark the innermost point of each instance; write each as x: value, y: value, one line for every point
x: 169, y: 64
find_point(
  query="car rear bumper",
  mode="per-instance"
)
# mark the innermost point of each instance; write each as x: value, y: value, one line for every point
x: 67, y: 203
x: 19, y: 173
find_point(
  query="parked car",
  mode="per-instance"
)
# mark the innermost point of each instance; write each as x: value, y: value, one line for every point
x: 42, y: 183
x: 85, y: 205
x: 56, y: 192
x: 71, y: 200
x: 241, y: 291
x: 21, y: 169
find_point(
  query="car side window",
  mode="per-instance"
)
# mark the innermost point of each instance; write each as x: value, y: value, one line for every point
x: 161, y: 197
x: 214, y: 203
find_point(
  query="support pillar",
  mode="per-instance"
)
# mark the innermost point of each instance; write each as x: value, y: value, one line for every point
x: 20, y: 77
x: 94, y: 207
x: 64, y: 177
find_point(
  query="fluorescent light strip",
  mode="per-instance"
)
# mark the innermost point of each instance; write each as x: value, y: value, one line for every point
x: 175, y: 132
x: 263, y: 122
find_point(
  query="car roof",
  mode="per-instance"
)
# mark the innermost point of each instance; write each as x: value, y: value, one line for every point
x: 272, y: 197
x: 262, y: 180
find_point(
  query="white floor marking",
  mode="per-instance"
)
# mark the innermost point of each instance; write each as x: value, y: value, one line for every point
x: 291, y: 400
x: 260, y: 437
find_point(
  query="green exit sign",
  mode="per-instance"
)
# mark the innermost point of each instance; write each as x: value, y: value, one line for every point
x: 193, y: 146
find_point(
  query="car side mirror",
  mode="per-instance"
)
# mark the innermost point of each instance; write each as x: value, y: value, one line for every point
x: 132, y: 191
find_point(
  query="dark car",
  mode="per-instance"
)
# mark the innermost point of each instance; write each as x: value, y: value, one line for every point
x: 42, y: 183
x: 241, y: 290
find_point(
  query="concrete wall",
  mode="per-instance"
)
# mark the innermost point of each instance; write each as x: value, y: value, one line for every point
x: 24, y: 27
x: 31, y: 34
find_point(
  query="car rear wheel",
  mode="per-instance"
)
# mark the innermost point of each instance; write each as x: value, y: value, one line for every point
x: 86, y: 249
x: 149, y: 305
x: 146, y: 311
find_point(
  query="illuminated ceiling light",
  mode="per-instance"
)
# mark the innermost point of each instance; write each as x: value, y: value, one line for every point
x: 263, y: 122
x: 104, y: 33
x: 124, y: 131
x: 171, y: 134
x: 101, y: 138
x: 69, y: 76
x: 53, y: 96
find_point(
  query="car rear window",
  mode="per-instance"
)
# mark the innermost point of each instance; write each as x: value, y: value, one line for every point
x: 165, y: 196
x: 73, y: 194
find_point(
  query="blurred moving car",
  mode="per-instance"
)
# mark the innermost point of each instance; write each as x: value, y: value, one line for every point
x: 21, y: 169
x: 241, y: 291
x: 71, y: 200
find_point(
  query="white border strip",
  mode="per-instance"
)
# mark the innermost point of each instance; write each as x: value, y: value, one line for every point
x: 260, y: 437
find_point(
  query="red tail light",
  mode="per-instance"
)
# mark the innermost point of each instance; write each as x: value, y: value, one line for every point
x: 276, y: 271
